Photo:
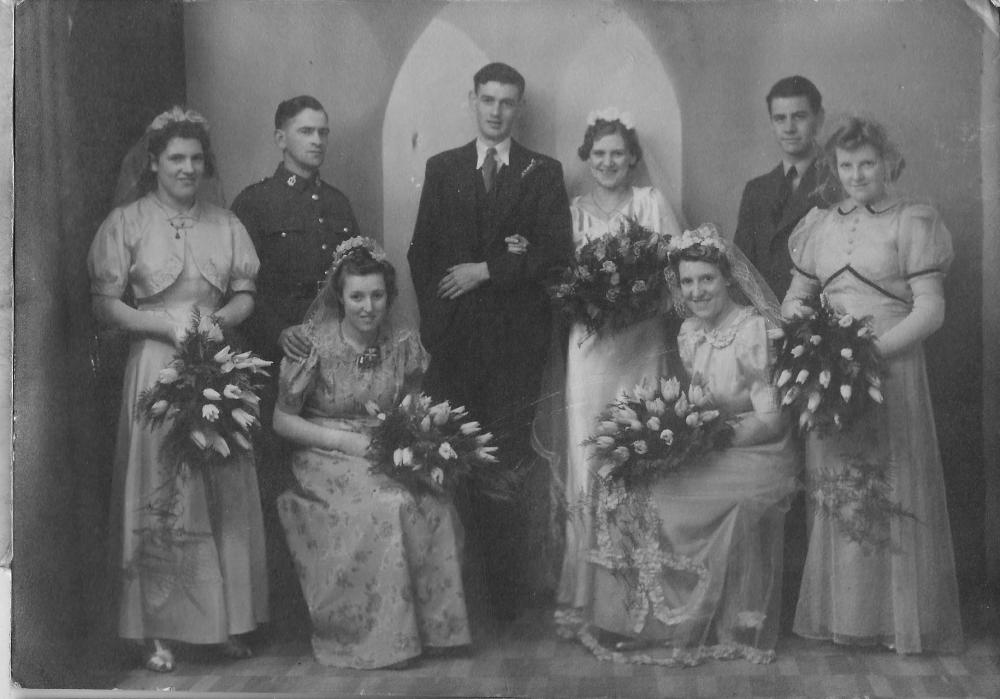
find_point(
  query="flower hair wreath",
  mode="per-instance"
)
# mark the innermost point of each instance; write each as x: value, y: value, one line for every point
x: 176, y: 114
x: 350, y: 246
x: 610, y: 114
x: 705, y: 235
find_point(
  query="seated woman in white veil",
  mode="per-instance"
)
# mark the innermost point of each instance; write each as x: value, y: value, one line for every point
x: 693, y: 562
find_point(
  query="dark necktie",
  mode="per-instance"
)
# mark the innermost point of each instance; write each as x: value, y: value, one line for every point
x: 490, y: 168
x: 784, y: 194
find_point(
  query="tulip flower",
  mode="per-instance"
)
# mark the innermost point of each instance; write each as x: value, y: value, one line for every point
x: 210, y: 412
x: 446, y: 451
x: 681, y: 406
x: 824, y: 378
x: 875, y: 394
x: 670, y: 389
x: 406, y: 457
x: 865, y: 331
x: 845, y: 392
x: 640, y: 446
x: 437, y: 475
x: 242, y: 441
x: 846, y: 320
x: 802, y: 377
x: 220, y: 445
x: 250, y: 398
x: 158, y: 408
x: 604, y: 442
x: 693, y: 420
x: 798, y: 351
x: 372, y: 407
x: 784, y: 377
x: 699, y: 395
x: 790, y: 395
x: 459, y: 412
x: 656, y: 406
x: 199, y: 438
x: 847, y: 353
x: 440, y: 413
x: 644, y: 391
x: 620, y: 455
x: 211, y: 394
x: 168, y: 375
x: 407, y: 402
x: 607, y: 427
x: 486, y: 454
x: 231, y: 391
x: 424, y: 402
x: 653, y: 424
x: 815, y: 339
x: 243, y: 418
x: 709, y: 415
x: 223, y: 355
x: 484, y: 438
x: 397, y: 457
x: 805, y: 422
x: 425, y: 424
x: 814, y: 400
x: 468, y: 428
x: 667, y: 437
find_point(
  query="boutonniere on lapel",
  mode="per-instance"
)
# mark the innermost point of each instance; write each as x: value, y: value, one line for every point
x: 535, y: 162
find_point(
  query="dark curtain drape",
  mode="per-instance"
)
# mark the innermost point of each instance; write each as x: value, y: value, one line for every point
x: 89, y: 75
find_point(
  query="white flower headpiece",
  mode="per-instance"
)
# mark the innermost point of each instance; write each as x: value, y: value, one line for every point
x: 705, y: 235
x: 345, y: 249
x: 176, y: 114
x: 611, y: 114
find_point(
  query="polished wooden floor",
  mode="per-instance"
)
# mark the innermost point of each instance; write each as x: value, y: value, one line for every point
x: 526, y: 659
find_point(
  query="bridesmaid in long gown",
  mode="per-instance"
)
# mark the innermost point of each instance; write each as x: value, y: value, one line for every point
x: 693, y: 562
x: 876, y: 254
x: 176, y: 253
x: 598, y: 367
x: 380, y: 569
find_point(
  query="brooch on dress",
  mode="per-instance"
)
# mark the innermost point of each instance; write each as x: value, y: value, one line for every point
x: 370, y: 358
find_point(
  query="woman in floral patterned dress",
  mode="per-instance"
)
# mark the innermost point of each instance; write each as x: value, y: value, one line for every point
x: 379, y: 568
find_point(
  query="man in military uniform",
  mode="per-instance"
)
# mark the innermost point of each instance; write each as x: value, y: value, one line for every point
x: 296, y: 221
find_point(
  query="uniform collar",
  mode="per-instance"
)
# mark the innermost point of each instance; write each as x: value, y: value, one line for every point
x: 503, y: 151
x: 296, y: 182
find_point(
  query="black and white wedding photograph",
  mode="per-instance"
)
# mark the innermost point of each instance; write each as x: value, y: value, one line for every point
x: 504, y: 348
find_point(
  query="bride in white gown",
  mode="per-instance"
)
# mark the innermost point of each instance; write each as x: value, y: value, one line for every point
x: 598, y: 366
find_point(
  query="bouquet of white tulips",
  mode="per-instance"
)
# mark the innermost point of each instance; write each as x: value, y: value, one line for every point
x: 828, y: 370
x: 656, y: 429
x: 434, y: 448
x: 209, y: 394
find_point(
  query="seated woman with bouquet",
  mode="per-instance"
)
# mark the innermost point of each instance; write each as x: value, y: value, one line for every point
x: 195, y: 574
x: 877, y: 255
x: 380, y: 568
x: 599, y: 364
x: 692, y: 560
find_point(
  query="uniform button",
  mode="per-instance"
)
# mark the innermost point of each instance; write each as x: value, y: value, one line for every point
x: 320, y: 219
x: 315, y: 197
x: 284, y: 234
x: 346, y: 229
x: 323, y: 246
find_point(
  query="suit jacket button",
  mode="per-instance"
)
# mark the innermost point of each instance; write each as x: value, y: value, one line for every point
x: 315, y: 197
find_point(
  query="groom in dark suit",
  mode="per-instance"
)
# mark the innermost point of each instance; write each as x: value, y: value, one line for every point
x: 493, y: 224
x: 774, y: 203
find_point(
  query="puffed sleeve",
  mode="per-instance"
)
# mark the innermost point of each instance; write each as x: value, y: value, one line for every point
x: 109, y: 259
x: 413, y: 360
x: 755, y: 358
x: 924, y: 243
x: 296, y: 380
x: 246, y: 264
x: 666, y: 219
x: 802, y: 249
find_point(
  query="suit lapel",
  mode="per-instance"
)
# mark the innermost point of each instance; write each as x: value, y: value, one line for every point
x: 467, y: 178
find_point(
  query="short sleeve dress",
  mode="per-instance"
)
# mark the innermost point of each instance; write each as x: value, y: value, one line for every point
x: 380, y: 569
x: 693, y: 562
x: 209, y: 580
x: 904, y: 596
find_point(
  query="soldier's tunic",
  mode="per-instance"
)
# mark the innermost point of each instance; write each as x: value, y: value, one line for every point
x: 296, y: 224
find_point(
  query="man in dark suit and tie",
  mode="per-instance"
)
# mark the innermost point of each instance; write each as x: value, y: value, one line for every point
x: 493, y: 224
x: 773, y: 203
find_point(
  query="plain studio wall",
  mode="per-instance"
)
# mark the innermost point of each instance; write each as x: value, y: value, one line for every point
x: 914, y: 65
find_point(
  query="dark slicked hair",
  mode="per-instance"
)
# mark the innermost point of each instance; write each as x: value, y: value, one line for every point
x: 796, y: 86
x: 290, y: 108
x: 500, y: 73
